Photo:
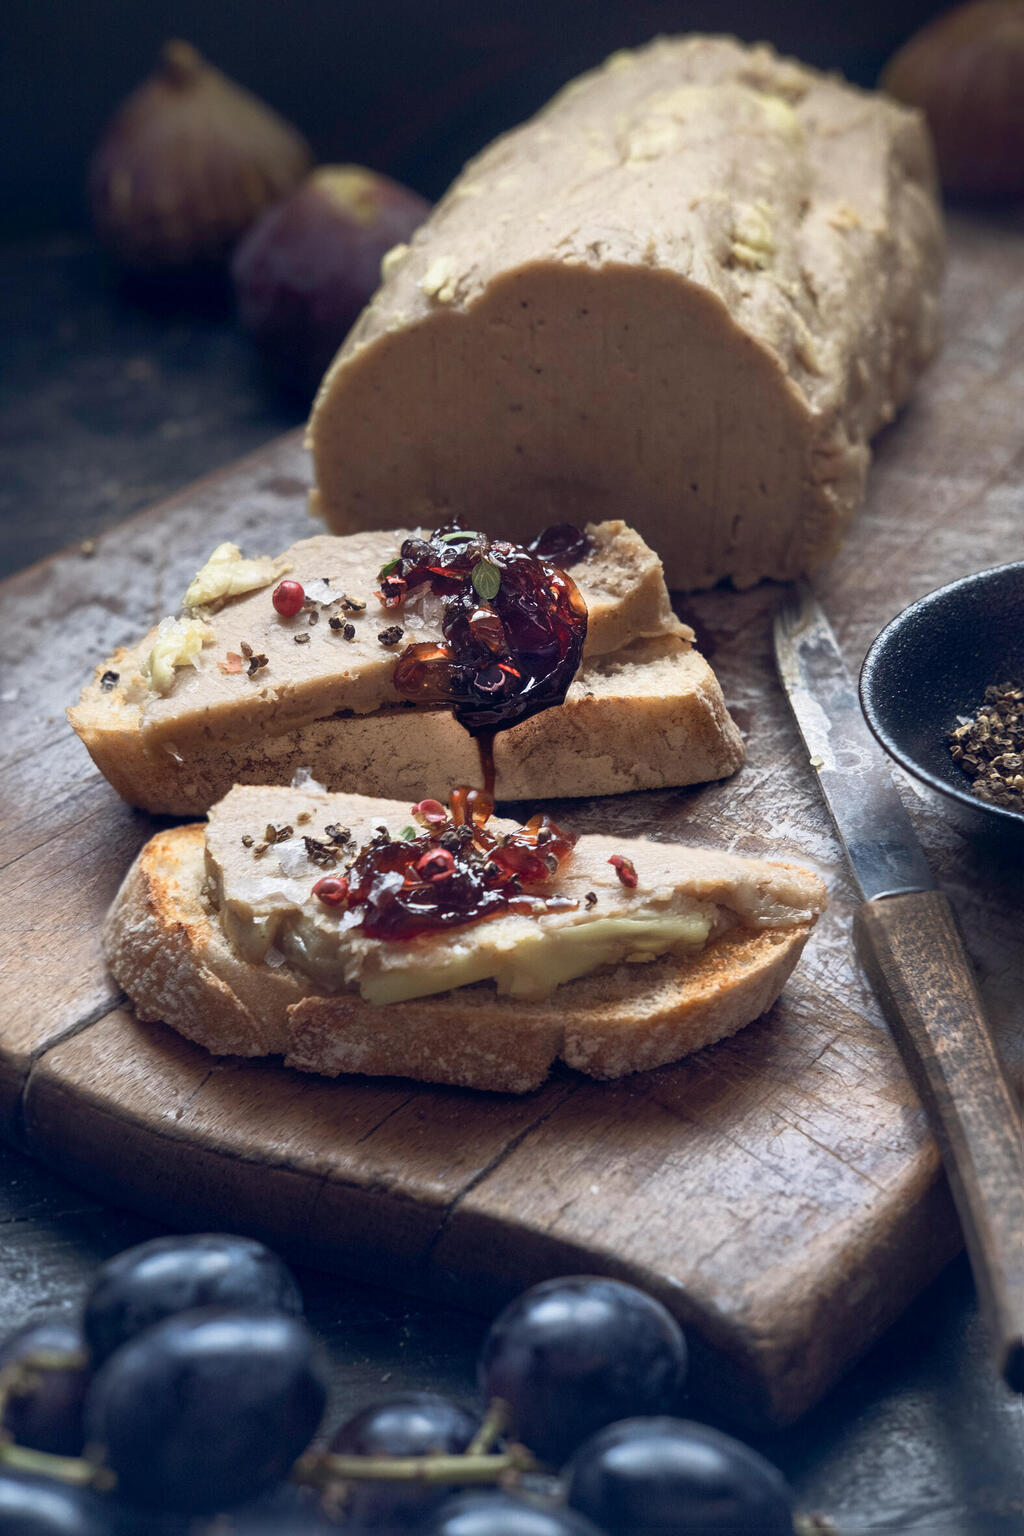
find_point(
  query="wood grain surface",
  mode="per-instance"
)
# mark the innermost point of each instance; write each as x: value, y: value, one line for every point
x: 912, y: 954
x: 779, y: 1190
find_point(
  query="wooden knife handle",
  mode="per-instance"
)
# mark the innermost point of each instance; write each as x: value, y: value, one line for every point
x: 911, y: 949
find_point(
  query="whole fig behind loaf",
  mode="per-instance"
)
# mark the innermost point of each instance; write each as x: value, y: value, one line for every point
x: 965, y: 70
x: 186, y: 164
x: 309, y: 265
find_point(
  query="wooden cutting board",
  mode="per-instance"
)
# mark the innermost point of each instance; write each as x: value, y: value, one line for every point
x: 779, y: 1191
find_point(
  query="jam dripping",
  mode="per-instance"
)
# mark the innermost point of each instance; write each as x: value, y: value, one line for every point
x: 513, y: 624
x: 455, y: 872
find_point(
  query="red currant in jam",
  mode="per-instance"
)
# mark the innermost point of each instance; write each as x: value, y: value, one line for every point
x: 625, y: 869
x: 332, y: 891
x: 288, y: 598
x: 457, y: 871
x: 438, y: 864
x: 430, y: 813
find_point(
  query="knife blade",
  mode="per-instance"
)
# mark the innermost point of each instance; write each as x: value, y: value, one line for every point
x: 867, y: 813
x: 909, y: 943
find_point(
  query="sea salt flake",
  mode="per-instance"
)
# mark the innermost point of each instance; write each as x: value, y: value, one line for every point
x: 386, y: 884
x: 303, y: 778
x: 293, y: 861
x: 321, y: 591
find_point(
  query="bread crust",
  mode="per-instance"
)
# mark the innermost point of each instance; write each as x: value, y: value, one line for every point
x: 167, y: 950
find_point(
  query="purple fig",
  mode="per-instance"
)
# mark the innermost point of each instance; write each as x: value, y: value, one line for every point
x: 309, y: 265
x: 186, y: 164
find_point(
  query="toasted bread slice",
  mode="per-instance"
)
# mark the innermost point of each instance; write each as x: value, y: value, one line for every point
x: 328, y: 703
x: 167, y: 944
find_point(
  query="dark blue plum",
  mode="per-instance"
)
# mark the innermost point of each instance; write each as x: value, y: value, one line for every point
x: 207, y: 1408
x: 502, y: 1514
x: 286, y: 1510
x: 38, y: 1506
x: 131, y: 1520
x: 175, y: 1274
x: 415, y: 1424
x: 574, y: 1354
x: 670, y: 1477
x: 44, y: 1410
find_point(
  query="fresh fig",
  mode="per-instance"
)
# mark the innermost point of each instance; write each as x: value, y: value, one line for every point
x: 965, y: 70
x: 186, y: 164
x: 309, y: 265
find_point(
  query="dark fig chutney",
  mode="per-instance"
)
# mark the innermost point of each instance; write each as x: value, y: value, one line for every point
x: 454, y: 872
x: 513, y: 622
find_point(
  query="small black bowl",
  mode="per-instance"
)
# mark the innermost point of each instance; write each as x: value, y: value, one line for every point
x: 930, y: 667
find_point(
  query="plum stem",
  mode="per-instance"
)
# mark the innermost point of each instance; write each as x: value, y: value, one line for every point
x: 323, y: 1469
x: 495, y: 1422
x: 66, y: 1469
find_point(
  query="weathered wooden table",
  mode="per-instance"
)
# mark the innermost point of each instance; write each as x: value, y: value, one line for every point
x: 979, y: 370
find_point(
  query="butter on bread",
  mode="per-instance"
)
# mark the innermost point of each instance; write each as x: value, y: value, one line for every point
x: 327, y: 702
x: 169, y: 945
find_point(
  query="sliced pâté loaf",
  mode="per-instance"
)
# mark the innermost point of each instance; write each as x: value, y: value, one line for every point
x: 645, y: 710
x: 687, y: 292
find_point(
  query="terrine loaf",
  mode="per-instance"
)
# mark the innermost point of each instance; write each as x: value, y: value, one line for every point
x: 688, y: 292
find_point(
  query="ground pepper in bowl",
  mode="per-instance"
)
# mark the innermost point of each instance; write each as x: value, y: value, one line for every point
x: 989, y: 747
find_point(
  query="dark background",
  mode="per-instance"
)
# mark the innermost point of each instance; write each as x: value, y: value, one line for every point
x: 109, y: 401
x: 411, y: 89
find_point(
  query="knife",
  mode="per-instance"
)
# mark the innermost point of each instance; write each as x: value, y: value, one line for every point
x: 908, y: 942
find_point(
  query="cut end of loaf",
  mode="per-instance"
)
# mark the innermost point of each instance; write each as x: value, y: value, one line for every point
x: 629, y: 391
x: 661, y: 298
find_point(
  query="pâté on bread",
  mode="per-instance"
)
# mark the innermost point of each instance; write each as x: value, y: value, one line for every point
x: 360, y: 934
x: 714, y: 276
x: 351, y: 934
x: 234, y: 691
